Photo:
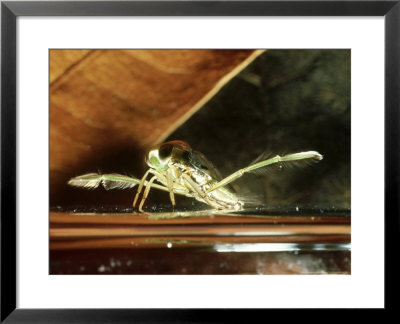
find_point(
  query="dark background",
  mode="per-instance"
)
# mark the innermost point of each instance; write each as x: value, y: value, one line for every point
x: 287, y: 101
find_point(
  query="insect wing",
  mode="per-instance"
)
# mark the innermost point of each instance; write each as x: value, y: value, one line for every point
x: 201, y: 163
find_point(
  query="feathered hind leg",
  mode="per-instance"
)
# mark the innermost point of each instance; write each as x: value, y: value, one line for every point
x: 287, y: 159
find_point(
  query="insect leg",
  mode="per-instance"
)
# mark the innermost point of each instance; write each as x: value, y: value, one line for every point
x: 196, y: 188
x: 109, y: 181
x: 277, y: 159
x: 170, y: 184
x: 239, y: 173
x: 227, y: 180
x: 140, y: 187
x: 146, y: 192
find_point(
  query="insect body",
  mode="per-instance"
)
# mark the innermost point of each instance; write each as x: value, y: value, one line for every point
x: 176, y: 168
x: 175, y: 165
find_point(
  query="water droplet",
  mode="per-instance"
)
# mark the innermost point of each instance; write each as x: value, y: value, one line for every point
x: 112, y: 263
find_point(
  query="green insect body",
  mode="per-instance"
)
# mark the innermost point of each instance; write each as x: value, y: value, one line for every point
x: 180, y: 170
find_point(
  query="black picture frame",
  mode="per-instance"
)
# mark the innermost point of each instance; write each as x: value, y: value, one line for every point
x: 10, y: 10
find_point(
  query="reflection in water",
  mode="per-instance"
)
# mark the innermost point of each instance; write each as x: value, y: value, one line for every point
x: 281, y: 247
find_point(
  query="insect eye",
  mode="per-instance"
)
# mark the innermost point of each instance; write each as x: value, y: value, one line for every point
x: 165, y: 151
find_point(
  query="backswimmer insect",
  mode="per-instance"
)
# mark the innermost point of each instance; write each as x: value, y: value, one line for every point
x: 180, y: 170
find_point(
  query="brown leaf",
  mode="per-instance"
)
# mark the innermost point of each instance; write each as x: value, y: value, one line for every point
x: 102, y: 99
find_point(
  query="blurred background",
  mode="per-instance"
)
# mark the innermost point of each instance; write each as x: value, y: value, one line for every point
x: 108, y: 108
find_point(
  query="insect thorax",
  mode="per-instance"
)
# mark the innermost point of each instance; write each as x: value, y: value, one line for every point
x: 221, y: 198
